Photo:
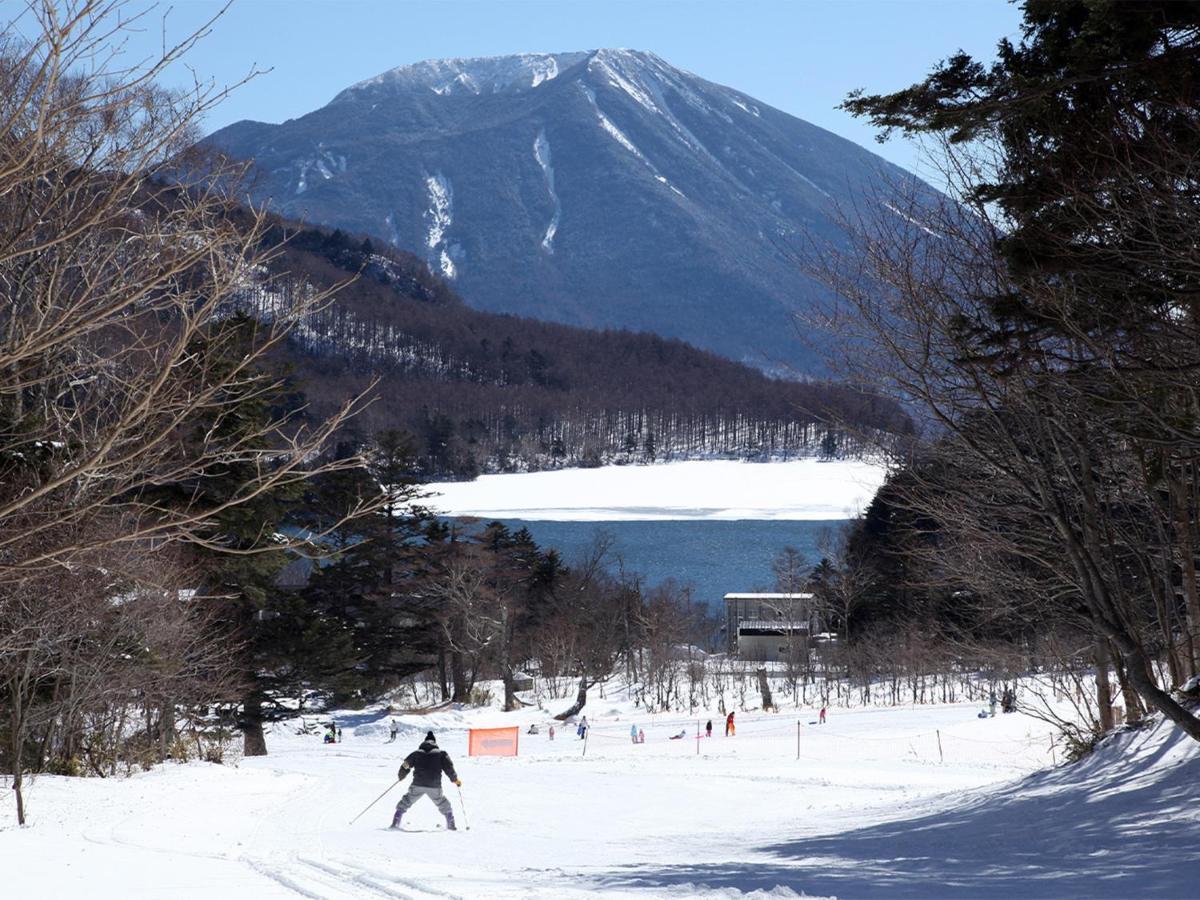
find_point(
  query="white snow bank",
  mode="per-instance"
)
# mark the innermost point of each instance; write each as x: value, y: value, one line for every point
x: 805, y: 489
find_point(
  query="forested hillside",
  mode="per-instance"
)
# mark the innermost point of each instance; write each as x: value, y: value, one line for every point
x: 488, y: 392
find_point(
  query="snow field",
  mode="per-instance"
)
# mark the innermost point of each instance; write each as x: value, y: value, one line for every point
x: 803, y: 489
x: 624, y: 820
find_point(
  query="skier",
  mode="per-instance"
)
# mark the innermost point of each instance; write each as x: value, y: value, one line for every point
x: 633, y: 734
x: 821, y: 716
x: 678, y: 737
x: 392, y: 731
x: 330, y: 735
x: 708, y: 728
x: 730, y: 728
x: 551, y: 732
x: 533, y: 729
x: 427, y: 763
x: 992, y: 705
x: 641, y: 736
x: 582, y: 729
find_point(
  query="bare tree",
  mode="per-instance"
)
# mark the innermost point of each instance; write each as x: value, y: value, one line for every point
x: 116, y: 379
x: 1035, y: 434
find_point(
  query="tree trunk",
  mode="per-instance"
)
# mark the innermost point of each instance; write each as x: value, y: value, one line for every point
x: 1103, y: 685
x: 254, y: 742
x: 16, y: 733
x: 580, y: 701
x: 1133, y: 704
x: 510, y: 692
x: 458, y: 679
x: 764, y: 688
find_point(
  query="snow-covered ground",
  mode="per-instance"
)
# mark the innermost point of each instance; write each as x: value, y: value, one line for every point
x: 864, y: 806
x: 804, y: 489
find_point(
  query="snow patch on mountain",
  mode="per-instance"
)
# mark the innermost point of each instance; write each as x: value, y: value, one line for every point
x: 325, y: 164
x: 544, y: 69
x: 906, y: 217
x: 541, y: 152
x: 742, y: 106
x: 618, y: 135
x: 440, y: 216
x: 607, y: 62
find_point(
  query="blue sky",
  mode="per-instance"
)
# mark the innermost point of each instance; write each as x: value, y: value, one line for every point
x: 801, y: 56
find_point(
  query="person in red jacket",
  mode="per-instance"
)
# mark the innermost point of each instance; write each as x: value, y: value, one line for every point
x: 730, y: 728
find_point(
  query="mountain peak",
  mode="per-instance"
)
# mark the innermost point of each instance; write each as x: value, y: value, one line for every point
x: 513, y: 73
x: 471, y: 75
x: 605, y: 187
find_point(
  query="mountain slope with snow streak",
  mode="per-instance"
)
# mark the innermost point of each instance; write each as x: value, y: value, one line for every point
x: 604, y: 188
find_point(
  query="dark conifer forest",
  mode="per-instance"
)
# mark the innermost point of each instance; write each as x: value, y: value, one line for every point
x: 486, y: 392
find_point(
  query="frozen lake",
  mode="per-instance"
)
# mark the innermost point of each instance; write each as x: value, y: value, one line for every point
x: 714, y: 524
x: 701, y: 490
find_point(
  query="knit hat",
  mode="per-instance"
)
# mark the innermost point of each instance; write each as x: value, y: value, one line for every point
x: 429, y: 737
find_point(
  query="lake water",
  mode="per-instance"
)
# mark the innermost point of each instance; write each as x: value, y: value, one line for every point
x: 716, y: 557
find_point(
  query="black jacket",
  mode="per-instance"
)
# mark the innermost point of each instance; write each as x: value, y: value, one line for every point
x: 427, y: 764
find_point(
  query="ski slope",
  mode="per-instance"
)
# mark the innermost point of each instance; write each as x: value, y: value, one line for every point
x: 801, y: 489
x: 869, y: 809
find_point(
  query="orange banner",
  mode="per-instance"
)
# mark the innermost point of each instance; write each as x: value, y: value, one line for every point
x: 492, y: 741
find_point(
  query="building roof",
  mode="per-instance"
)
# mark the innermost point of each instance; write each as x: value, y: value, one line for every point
x: 772, y: 625
x: 797, y: 596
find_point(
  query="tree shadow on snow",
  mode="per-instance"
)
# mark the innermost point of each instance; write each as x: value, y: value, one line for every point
x: 1116, y: 825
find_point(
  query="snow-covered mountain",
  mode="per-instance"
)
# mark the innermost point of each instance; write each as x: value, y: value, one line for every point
x: 603, y: 188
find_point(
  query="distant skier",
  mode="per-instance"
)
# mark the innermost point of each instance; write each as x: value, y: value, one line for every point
x: 330, y: 735
x: 821, y: 716
x: 551, y: 732
x: 641, y: 736
x: 633, y: 734
x: 427, y: 763
x: 992, y: 705
x: 582, y: 729
x: 1008, y: 701
x: 708, y: 728
x: 392, y: 732
x: 730, y: 728
x: 533, y: 729
x: 679, y: 737
x: 339, y: 735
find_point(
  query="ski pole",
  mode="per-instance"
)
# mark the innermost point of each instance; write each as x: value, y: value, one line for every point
x: 376, y: 800
x: 463, y: 804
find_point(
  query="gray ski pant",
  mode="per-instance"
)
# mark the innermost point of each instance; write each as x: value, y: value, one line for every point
x: 416, y: 792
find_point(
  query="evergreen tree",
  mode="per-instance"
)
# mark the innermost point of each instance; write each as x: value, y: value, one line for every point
x: 369, y: 591
x: 243, y: 550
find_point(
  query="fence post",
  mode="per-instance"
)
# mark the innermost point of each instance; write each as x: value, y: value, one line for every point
x: 941, y: 757
x: 587, y: 734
